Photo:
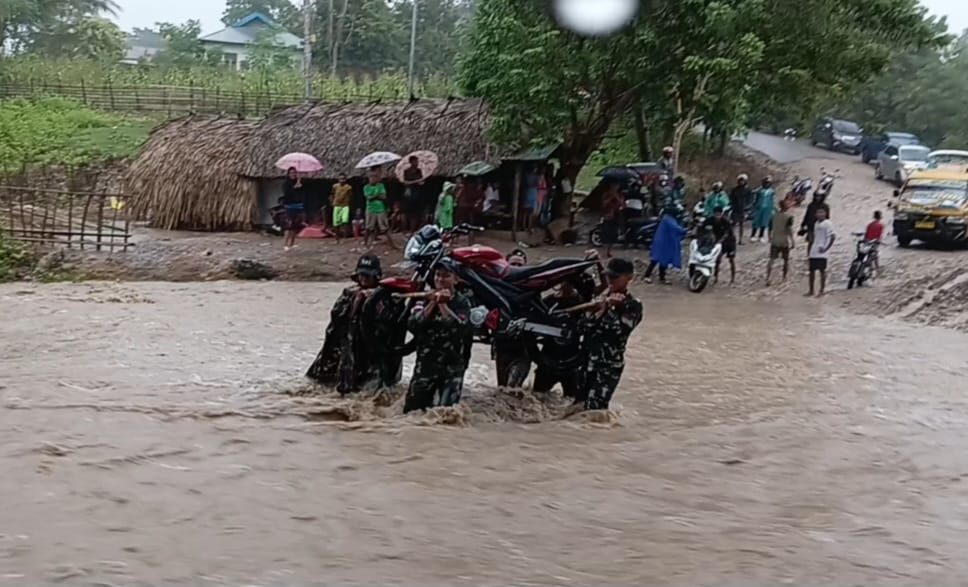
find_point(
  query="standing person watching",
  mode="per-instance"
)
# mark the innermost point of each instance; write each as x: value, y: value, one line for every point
x: 823, y: 240
x: 781, y: 239
x: 376, y: 209
x: 294, y: 202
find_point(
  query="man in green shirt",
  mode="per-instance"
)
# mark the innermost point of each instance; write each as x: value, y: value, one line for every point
x: 376, y: 209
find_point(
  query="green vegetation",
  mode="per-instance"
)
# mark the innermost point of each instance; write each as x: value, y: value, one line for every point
x: 15, y: 259
x: 57, y: 131
x: 922, y: 93
x: 723, y: 64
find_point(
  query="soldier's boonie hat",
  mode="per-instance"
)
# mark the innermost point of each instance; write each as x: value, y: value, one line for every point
x: 618, y: 266
x: 369, y: 265
x: 447, y: 265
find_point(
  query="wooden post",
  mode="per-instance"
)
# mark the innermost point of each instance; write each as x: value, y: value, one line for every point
x: 516, y: 201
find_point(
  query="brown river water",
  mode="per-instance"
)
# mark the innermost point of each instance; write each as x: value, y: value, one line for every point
x: 162, y: 434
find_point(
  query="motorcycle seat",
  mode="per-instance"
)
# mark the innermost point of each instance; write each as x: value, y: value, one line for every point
x: 640, y: 221
x: 522, y: 273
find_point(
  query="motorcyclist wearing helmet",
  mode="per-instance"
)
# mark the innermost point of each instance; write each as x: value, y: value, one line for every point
x: 661, y: 194
x: 740, y: 199
x: 668, y: 162
x: 717, y: 198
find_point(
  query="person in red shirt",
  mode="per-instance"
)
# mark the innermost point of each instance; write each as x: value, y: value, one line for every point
x: 875, y: 230
x: 874, y: 233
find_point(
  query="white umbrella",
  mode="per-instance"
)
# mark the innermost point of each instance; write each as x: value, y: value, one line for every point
x: 378, y: 159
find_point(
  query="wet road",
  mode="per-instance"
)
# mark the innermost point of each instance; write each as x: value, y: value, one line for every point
x: 161, y: 434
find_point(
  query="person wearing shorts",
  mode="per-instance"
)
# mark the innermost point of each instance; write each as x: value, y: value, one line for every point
x: 376, y: 209
x: 781, y: 240
x: 723, y: 231
x: 341, y: 198
x: 823, y: 240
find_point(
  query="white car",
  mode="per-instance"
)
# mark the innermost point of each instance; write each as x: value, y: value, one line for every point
x: 897, y: 162
x: 948, y: 159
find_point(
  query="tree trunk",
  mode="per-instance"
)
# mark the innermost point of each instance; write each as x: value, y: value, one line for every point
x: 642, y: 134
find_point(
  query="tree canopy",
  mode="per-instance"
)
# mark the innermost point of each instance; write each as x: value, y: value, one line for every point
x: 680, y: 63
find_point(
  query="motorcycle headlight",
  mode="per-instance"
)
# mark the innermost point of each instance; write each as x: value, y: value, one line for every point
x: 864, y: 248
x: 414, y: 245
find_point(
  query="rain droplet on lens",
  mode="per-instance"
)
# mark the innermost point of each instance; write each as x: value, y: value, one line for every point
x: 594, y: 18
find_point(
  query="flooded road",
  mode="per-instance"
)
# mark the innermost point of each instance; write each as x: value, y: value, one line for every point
x: 162, y: 434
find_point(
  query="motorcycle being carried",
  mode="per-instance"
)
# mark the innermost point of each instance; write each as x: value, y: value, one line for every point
x: 862, y: 268
x: 506, y: 300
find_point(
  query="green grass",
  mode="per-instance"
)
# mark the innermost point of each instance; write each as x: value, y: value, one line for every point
x: 56, y: 131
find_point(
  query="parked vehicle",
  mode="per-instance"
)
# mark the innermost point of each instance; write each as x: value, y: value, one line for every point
x: 800, y: 188
x: 702, y: 263
x: 932, y: 207
x: 826, y: 184
x: 897, y: 162
x: 862, y: 268
x: 871, y: 147
x: 837, y: 135
x: 947, y: 159
x: 638, y: 232
x: 699, y: 213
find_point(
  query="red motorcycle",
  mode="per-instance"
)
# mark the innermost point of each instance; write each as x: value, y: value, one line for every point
x: 507, y: 300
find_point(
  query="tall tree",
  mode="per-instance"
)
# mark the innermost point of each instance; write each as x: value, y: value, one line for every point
x: 361, y: 36
x: 283, y: 12
x: 86, y: 37
x: 23, y: 21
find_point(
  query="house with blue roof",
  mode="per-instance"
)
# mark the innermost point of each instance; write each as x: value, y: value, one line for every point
x: 236, y: 41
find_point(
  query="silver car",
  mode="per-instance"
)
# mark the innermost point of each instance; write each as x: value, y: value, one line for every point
x: 897, y: 162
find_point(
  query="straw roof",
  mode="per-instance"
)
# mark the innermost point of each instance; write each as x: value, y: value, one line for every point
x: 342, y: 134
x: 186, y: 176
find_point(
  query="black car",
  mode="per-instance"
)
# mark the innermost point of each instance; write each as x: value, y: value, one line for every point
x: 871, y: 147
x: 838, y: 135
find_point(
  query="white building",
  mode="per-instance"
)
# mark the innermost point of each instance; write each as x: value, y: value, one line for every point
x: 236, y: 41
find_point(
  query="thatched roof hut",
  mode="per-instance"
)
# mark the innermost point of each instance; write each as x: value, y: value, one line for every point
x: 187, y: 175
x: 204, y: 173
x: 342, y: 134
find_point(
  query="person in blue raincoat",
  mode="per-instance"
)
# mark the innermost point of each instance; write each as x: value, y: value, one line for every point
x: 764, y: 204
x: 666, y: 246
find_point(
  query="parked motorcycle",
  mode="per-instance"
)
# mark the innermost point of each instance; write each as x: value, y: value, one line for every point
x: 703, y: 255
x: 801, y: 187
x: 639, y: 232
x: 826, y: 184
x: 862, y: 267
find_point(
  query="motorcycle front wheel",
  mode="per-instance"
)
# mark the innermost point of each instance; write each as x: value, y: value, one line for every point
x: 697, y: 282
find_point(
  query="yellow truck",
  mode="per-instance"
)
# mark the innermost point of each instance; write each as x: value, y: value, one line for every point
x: 932, y: 207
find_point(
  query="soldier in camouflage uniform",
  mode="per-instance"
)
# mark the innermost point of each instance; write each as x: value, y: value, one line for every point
x: 606, y: 332
x: 441, y: 330
x: 343, y: 361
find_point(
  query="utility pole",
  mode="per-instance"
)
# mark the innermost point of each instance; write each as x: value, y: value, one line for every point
x: 308, y: 47
x: 413, y: 45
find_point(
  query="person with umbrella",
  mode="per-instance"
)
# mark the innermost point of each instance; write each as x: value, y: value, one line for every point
x: 294, y: 203
x: 377, y: 221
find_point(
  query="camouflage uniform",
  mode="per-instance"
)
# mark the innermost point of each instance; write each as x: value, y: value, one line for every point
x: 512, y: 360
x: 325, y: 369
x: 438, y: 377
x: 605, y: 339
x: 548, y: 373
x: 382, y: 332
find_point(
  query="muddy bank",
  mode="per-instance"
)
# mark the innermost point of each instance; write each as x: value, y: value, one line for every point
x: 162, y: 433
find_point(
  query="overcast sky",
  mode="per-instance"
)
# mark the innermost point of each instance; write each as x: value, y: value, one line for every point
x: 145, y: 13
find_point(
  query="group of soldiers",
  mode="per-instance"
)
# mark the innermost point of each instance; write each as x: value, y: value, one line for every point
x: 365, y: 340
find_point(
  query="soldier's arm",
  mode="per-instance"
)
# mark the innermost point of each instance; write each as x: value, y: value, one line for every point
x: 631, y: 315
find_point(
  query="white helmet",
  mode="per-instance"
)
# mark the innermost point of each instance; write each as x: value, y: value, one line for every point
x: 717, y: 186
x: 743, y: 177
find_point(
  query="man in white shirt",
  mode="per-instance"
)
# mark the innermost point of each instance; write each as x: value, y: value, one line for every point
x: 823, y: 240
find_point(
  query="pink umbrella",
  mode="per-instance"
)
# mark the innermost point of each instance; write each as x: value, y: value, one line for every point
x: 427, y: 161
x: 303, y: 162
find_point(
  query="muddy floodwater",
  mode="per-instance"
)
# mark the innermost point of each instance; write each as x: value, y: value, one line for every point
x: 162, y: 434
